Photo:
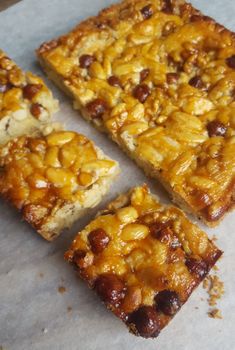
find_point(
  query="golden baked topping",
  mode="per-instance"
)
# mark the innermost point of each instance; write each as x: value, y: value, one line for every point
x: 41, y: 174
x: 143, y: 259
x: 175, y: 110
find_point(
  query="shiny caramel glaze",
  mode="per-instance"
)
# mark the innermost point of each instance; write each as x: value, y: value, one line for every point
x: 42, y: 174
x: 149, y: 259
x: 24, y: 100
x: 172, y: 104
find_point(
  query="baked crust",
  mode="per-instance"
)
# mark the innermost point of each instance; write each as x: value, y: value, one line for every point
x: 143, y: 259
x: 159, y: 78
x: 54, y: 179
x: 26, y: 103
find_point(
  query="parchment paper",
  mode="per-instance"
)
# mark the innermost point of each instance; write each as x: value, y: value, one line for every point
x: 34, y: 315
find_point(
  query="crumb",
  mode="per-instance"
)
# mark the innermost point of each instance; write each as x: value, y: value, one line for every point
x: 69, y: 308
x: 215, y: 313
x: 202, y: 299
x: 61, y: 289
x: 41, y: 274
x: 44, y: 330
x: 215, y: 289
x: 196, y: 307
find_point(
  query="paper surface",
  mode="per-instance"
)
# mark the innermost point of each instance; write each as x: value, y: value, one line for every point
x: 33, y: 313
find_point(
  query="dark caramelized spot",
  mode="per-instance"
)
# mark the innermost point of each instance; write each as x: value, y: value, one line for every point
x: 172, y: 78
x: 147, y: 11
x: 197, y: 267
x: 110, y: 288
x: 167, y: 6
x: 141, y: 92
x: 231, y: 62
x: 85, y: 61
x: 96, y: 108
x: 114, y: 81
x: 168, y: 302
x: 144, y: 74
x: 196, y: 82
x: 216, y: 128
x: 146, y: 322
x: 36, y: 109
x: 98, y: 240
x: 31, y: 90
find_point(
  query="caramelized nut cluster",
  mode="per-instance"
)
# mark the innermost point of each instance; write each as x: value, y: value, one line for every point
x: 23, y: 94
x: 159, y: 77
x: 142, y: 259
x: 41, y: 174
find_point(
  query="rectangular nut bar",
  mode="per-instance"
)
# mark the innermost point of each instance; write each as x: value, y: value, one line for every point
x: 159, y: 78
x: 25, y: 101
x: 143, y: 259
x: 54, y: 179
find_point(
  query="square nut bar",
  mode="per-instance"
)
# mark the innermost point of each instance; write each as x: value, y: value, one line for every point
x: 54, y: 179
x: 159, y: 78
x: 143, y: 259
x: 25, y: 101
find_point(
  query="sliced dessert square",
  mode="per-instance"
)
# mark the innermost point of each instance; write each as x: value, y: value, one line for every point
x: 159, y: 78
x: 25, y: 102
x: 143, y: 259
x: 54, y: 179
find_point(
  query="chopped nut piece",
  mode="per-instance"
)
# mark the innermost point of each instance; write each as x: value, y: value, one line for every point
x: 147, y: 11
x: 86, y: 61
x: 136, y: 274
x: 141, y: 92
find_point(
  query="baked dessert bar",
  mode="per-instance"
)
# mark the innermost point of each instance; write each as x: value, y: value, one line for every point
x: 25, y: 102
x: 54, y: 179
x: 159, y: 78
x: 143, y: 259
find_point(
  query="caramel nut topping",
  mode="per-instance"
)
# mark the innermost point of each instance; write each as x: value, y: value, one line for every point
x: 196, y: 82
x: 145, y: 321
x: 97, y: 108
x: 144, y: 74
x: 36, y: 109
x: 216, y: 128
x: 147, y: 11
x: 168, y: 302
x: 31, y: 90
x: 114, y: 81
x: 141, y: 92
x: 172, y: 78
x: 98, y: 240
x: 110, y: 288
x: 86, y: 61
x: 231, y: 61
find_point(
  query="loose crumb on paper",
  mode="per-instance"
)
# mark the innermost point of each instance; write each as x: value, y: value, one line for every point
x: 69, y: 309
x: 61, y: 289
x: 215, y: 289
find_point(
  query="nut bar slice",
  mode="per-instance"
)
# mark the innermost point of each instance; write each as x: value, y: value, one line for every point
x: 143, y: 259
x: 54, y: 179
x: 25, y: 101
x: 159, y: 78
